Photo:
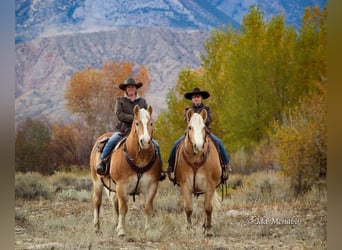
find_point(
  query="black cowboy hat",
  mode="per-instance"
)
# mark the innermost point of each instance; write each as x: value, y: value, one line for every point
x: 196, y: 91
x: 130, y: 81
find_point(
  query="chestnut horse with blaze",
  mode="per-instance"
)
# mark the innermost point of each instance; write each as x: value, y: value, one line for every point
x: 197, y: 167
x: 135, y: 168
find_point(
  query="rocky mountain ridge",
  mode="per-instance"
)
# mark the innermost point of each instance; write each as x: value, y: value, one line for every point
x: 45, y: 65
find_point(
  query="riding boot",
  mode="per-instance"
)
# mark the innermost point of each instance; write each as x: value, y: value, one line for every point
x: 162, y: 176
x: 101, y: 167
x: 170, y: 168
x: 170, y: 172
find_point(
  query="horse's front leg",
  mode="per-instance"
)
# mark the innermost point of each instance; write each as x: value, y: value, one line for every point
x: 123, y: 208
x: 187, y: 197
x: 97, y: 200
x: 150, y: 193
x: 115, y: 204
x: 114, y: 200
x: 208, y: 208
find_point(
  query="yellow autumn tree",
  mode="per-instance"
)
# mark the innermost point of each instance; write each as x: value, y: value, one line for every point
x: 301, y: 141
x: 118, y: 72
x: 91, y: 94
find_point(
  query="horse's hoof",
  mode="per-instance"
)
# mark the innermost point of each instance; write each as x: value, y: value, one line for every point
x: 209, y: 232
x: 209, y: 235
x: 97, y: 228
x: 121, y: 233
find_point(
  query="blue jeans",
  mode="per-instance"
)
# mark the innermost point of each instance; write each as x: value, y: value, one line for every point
x: 114, y: 139
x: 172, y: 156
x: 111, y: 143
x: 158, y: 149
x: 221, y: 150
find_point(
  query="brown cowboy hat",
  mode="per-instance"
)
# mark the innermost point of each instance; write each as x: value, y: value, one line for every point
x: 196, y: 91
x: 130, y: 81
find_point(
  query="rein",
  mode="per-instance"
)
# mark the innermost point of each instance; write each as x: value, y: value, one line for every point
x: 139, y: 170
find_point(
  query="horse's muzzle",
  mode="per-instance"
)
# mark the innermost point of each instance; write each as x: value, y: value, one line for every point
x: 145, y: 144
x: 197, y: 148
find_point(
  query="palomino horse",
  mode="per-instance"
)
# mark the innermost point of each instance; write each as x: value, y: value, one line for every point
x: 135, y: 168
x: 197, y: 168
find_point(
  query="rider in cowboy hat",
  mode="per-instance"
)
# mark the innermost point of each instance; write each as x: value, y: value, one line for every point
x: 124, y: 112
x: 196, y: 96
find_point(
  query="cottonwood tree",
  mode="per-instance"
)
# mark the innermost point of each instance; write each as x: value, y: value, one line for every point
x: 92, y: 94
x: 254, y: 76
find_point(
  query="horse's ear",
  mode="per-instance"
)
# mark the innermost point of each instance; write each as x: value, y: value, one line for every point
x: 136, y: 110
x: 189, y: 113
x: 150, y: 109
x: 204, y: 114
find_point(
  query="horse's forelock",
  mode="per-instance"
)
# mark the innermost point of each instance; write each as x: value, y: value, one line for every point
x: 197, y: 120
x: 144, y: 115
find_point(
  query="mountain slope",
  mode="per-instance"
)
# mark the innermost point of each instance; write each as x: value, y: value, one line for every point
x: 291, y: 9
x: 55, y: 39
x: 44, y: 66
x: 48, y: 18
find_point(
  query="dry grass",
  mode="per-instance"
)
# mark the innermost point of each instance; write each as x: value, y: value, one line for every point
x: 260, y: 213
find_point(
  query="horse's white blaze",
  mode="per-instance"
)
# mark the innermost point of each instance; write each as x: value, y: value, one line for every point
x: 198, y: 125
x: 145, y: 137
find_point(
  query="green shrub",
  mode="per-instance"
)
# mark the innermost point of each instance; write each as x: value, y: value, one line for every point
x: 317, y: 194
x: 63, y: 181
x: 269, y: 187
x: 72, y: 194
x: 62, y: 186
x: 266, y: 187
x: 32, y: 186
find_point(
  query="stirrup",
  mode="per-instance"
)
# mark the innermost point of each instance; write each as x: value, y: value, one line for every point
x: 170, y: 168
x: 101, y: 171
